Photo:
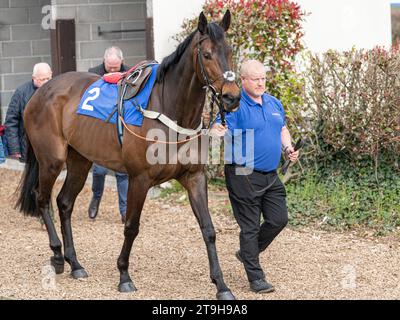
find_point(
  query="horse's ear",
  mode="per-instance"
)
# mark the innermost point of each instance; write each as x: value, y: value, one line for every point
x: 202, y: 27
x: 226, y: 20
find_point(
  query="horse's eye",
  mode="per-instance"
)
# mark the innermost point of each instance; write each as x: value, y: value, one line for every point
x: 207, y: 55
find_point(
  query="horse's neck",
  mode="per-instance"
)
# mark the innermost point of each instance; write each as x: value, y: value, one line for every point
x: 183, y: 95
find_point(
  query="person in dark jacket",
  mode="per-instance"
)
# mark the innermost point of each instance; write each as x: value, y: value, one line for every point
x: 14, y: 124
x: 113, y: 62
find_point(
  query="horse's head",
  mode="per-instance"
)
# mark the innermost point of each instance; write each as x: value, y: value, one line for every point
x: 212, y: 57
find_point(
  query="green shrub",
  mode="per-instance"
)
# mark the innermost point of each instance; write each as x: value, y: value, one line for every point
x: 342, y: 198
x: 353, y: 102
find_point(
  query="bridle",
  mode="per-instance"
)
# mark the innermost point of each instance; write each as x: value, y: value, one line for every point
x: 216, y: 97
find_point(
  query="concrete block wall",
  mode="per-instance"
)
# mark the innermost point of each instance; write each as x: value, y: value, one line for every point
x: 23, y: 43
x: 108, y: 15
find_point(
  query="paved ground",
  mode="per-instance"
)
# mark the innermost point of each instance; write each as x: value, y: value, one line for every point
x: 169, y: 259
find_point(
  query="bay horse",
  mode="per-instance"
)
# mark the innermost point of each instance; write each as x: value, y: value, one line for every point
x: 57, y: 135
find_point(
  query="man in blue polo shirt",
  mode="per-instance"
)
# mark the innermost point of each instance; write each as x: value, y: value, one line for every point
x: 255, y: 136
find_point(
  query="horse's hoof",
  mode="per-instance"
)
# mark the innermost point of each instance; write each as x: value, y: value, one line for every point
x: 225, y: 295
x: 127, y: 287
x: 58, y: 267
x: 79, y: 274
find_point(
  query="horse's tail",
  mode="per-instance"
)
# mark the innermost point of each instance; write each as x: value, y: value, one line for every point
x: 27, y: 189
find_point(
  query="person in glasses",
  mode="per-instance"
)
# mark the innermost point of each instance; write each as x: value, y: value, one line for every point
x: 14, y: 122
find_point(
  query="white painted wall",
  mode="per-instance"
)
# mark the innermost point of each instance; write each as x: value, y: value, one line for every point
x: 342, y: 24
x: 168, y: 16
x: 332, y: 24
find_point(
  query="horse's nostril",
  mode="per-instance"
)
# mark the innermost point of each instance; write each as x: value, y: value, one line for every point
x: 230, y: 100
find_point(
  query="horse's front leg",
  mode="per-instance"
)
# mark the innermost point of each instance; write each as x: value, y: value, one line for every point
x: 196, y: 185
x: 137, y: 192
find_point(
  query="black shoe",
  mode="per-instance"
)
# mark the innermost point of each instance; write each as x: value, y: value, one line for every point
x: 261, y: 286
x: 238, y: 256
x: 93, y: 208
x: 123, y: 219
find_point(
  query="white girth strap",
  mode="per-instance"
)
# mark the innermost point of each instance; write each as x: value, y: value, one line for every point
x: 170, y: 123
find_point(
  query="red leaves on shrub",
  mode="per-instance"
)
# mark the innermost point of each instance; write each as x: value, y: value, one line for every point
x: 267, y: 30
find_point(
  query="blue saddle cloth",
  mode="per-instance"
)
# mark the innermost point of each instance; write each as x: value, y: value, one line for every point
x: 100, y: 99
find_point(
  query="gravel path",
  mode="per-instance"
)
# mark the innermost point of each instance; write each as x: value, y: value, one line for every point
x: 169, y: 259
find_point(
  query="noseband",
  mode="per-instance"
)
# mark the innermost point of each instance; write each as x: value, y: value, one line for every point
x: 216, y: 97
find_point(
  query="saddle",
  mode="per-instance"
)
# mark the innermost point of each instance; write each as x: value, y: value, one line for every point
x: 129, y: 85
x: 135, y: 78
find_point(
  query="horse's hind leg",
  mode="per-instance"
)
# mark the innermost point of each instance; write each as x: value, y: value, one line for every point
x: 77, y: 171
x: 196, y: 186
x: 48, y: 173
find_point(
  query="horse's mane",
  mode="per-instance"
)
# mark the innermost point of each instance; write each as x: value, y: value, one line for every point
x: 214, y: 31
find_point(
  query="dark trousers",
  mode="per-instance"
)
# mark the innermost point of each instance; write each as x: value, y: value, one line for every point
x: 248, y: 205
x: 99, y: 177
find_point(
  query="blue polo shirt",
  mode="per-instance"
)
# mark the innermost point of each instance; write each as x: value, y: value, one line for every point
x: 254, y: 135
